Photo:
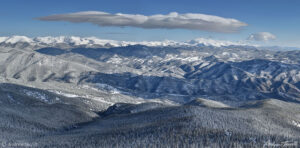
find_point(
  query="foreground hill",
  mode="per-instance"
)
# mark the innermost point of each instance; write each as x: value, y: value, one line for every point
x: 43, y: 119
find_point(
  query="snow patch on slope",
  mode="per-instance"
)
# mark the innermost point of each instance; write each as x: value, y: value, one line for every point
x: 80, y: 96
x: 297, y: 124
x: 36, y: 95
x: 64, y: 94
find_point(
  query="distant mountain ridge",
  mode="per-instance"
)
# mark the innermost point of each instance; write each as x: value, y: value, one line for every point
x: 75, y: 41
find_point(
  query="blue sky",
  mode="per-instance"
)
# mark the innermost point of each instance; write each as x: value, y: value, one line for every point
x: 278, y: 17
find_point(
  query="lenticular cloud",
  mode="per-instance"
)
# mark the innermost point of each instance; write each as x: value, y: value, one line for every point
x: 173, y: 20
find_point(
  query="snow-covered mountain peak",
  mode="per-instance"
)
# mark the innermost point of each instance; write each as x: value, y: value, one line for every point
x: 212, y: 42
x: 74, y: 40
x: 2, y: 39
x: 16, y: 39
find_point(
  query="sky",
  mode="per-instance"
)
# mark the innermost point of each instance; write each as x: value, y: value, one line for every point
x: 266, y: 22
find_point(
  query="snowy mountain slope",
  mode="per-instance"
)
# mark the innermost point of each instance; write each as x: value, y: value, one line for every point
x: 26, y: 112
x: 207, y: 103
x: 170, y: 126
x: 180, y: 74
x: 68, y: 121
x: 59, y: 75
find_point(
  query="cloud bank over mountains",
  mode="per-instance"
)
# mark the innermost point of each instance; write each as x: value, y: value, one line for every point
x: 173, y: 20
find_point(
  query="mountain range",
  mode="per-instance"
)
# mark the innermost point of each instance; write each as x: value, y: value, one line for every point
x: 89, y: 92
x: 74, y: 41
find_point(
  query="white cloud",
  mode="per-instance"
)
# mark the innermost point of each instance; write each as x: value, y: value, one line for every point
x: 262, y: 36
x: 173, y: 20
